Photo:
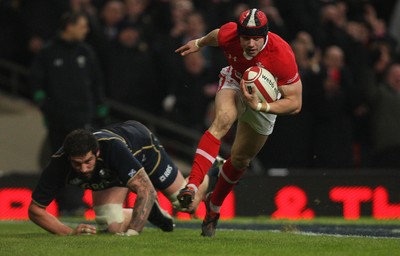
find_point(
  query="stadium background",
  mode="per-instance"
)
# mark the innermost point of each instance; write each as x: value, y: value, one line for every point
x: 275, y: 190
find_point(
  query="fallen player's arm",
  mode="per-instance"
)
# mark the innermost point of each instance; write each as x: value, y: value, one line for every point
x: 145, y: 198
x: 42, y: 218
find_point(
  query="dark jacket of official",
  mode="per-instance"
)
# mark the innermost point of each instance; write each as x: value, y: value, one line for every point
x: 69, y: 75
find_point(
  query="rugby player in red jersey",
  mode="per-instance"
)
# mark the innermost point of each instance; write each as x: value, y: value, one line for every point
x: 245, y: 43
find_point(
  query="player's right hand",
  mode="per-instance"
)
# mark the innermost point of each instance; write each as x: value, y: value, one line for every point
x: 84, y: 229
x: 251, y: 99
x: 189, y: 47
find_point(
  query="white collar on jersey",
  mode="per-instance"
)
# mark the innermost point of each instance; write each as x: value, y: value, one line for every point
x: 248, y: 57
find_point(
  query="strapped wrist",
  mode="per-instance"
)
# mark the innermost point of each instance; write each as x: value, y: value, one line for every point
x: 194, y: 187
x: 268, y: 107
x: 196, y: 43
x: 259, y: 106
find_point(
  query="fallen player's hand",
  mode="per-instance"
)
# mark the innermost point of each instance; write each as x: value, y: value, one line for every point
x: 129, y: 232
x: 84, y: 229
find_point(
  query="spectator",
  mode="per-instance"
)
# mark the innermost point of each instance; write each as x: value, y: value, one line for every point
x: 333, y: 107
x: 190, y: 24
x: 385, y: 106
x: 106, y: 29
x: 67, y: 84
x: 356, y: 58
x: 300, y: 16
x: 12, y: 32
x: 131, y: 76
x: 137, y: 13
x: 381, y: 53
x: 41, y: 18
x: 276, y: 23
x: 394, y: 25
x: 194, y: 90
x: 85, y: 6
x: 111, y: 17
x: 332, y: 29
x: 195, y: 27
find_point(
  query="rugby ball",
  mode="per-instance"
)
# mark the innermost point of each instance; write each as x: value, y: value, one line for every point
x: 263, y: 82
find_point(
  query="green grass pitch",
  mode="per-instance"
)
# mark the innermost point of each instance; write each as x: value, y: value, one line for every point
x: 25, y: 238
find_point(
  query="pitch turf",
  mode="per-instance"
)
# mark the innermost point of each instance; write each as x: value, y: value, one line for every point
x: 237, y: 237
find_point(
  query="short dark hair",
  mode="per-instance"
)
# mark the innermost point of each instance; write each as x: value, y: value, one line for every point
x: 79, y: 142
x: 69, y: 18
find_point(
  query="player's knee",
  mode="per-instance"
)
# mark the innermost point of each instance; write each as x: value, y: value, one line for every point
x: 109, y: 217
x: 240, y: 162
x: 224, y: 120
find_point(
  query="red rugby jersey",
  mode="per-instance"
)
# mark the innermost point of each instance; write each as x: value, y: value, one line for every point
x: 277, y: 56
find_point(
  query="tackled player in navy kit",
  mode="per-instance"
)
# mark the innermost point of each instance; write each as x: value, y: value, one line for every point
x: 111, y: 162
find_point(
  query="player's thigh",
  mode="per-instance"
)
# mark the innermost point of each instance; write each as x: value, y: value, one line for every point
x: 225, y: 100
x: 114, y: 195
x: 176, y: 185
x: 247, y: 142
x: 165, y: 171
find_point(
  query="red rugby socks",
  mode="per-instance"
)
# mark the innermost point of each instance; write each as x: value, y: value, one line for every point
x: 206, y: 152
x: 228, y: 178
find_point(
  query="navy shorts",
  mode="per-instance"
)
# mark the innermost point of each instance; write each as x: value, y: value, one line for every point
x: 147, y: 149
x: 164, y: 171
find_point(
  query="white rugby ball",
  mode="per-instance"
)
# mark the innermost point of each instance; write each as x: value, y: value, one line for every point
x: 263, y: 82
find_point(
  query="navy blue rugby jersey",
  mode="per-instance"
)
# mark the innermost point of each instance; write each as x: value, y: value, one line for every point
x: 124, y: 149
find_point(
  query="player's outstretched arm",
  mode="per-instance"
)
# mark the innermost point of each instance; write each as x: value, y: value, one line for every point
x: 50, y: 223
x: 146, y: 196
x: 211, y: 39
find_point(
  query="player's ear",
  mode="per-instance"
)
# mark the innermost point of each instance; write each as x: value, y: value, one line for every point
x: 98, y: 153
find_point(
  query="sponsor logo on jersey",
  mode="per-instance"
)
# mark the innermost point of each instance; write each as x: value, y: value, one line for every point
x: 260, y: 64
x: 75, y: 181
x: 94, y: 186
x: 104, y: 173
x: 81, y: 60
x: 131, y: 173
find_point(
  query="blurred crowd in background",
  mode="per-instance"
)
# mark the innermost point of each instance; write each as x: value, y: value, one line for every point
x: 347, y: 53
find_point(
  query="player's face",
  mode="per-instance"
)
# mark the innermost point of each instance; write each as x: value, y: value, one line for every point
x: 252, y: 45
x: 84, y: 164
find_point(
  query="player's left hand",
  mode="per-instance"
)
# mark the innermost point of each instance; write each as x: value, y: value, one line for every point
x: 251, y: 99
